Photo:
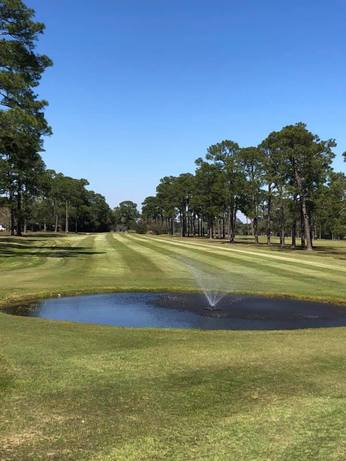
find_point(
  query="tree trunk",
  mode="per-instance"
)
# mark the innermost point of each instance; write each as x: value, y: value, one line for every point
x: 269, y: 212
x: 231, y: 224
x: 195, y: 225
x: 13, y: 219
x: 302, y: 232
x: 304, y: 212
x: 282, y: 237
x: 66, y: 217
x: 255, y: 229
x: 19, y: 214
x: 282, y: 226
x: 306, y: 225
x: 294, y: 233
x: 294, y: 222
x: 211, y: 228
x: 306, y: 241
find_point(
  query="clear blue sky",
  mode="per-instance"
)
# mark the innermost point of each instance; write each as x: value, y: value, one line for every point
x: 140, y: 88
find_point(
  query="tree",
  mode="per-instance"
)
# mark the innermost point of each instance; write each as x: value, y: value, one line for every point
x: 331, y: 207
x: 167, y: 202
x: 94, y: 214
x: 22, y: 122
x: 151, y: 209
x: 183, y: 189
x: 267, y: 147
x: 308, y: 160
x: 225, y: 156
x: 209, y: 192
x: 276, y: 176
x: 125, y: 215
x: 251, y: 161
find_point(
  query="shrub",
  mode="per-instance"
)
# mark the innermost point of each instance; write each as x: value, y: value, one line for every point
x: 157, y: 229
x: 141, y: 228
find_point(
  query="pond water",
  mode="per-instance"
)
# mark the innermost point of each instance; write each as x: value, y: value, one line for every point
x: 168, y: 310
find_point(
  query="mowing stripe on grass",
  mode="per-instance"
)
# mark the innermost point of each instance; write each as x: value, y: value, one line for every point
x: 290, y: 266
x: 262, y: 254
x: 136, y: 263
x: 301, y: 275
x: 167, y: 264
x: 107, y: 261
x: 237, y: 276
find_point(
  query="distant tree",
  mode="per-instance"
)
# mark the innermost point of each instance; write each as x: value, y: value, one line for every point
x: 126, y: 215
x: 94, y: 215
x: 209, y: 192
x: 331, y: 207
x: 277, y: 177
x: 151, y: 209
x: 167, y: 202
x: 268, y: 147
x: 251, y: 161
x: 309, y: 160
x: 225, y: 156
x: 287, y: 179
x: 183, y: 189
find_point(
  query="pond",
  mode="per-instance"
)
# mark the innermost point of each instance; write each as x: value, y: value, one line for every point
x: 171, y: 310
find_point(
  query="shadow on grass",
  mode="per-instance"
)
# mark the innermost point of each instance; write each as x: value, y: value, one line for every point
x: 334, y: 251
x: 17, y: 251
x: 35, y: 246
x: 33, y: 237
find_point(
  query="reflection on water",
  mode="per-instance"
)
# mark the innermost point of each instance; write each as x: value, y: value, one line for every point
x: 159, y: 310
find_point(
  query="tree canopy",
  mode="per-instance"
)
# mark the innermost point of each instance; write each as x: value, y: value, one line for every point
x: 36, y: 197
x: 285, y: 186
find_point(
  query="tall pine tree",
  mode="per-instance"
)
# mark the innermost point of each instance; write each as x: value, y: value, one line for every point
x: 22, y: 121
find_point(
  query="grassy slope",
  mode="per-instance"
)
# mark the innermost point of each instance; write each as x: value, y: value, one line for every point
x: 78, y: 392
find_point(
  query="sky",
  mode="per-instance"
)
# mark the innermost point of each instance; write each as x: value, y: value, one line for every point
x: 140, y: 88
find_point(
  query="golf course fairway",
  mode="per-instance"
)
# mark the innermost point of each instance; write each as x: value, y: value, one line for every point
x: 96, y: 393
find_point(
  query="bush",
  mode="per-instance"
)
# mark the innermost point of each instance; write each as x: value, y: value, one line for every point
x: 156, y: 229
x: 141, y: 228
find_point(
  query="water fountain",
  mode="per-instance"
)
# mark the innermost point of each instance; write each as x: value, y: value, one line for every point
x: 212, y: 283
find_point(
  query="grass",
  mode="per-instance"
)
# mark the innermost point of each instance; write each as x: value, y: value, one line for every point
x: 96, y: 393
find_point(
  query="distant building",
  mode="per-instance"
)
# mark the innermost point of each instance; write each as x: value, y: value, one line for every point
x: 5, y: 218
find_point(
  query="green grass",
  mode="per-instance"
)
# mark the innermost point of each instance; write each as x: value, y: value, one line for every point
x: 94, y: 393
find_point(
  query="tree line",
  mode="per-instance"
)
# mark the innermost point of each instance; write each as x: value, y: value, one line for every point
x: 38, y: 198
x: 285, y: 186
